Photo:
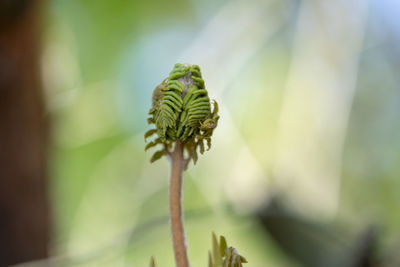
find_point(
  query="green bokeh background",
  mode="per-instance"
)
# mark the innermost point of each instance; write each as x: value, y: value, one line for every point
x: 102, y: 59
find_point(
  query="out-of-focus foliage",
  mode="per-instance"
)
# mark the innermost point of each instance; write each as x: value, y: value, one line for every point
x: 224, y: 256
x: 221, y: 255
x: 152, y: 262
x: 309, y: 103
x: 332, y: 244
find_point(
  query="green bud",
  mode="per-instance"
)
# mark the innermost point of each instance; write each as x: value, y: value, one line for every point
x: 181, y: 111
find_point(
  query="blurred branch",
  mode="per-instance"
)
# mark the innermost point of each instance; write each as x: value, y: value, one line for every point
x: 24, y: 208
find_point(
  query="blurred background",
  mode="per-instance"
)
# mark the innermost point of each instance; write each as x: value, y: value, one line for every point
x: 305, y: 164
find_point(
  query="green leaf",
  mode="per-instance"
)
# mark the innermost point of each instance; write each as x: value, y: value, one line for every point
x: 201, y: 144
x: 195, y: 156
x: 217, y: 258
x: 222, y: 245
x: 208, y: 139
x: 224, y: 256
x: 152, y: 144
x: 149, y: 133
x: 243, y: 259
x: 150, y: 120
x: 216, y: 108
x: 157, y: 155
x: 149, y: 145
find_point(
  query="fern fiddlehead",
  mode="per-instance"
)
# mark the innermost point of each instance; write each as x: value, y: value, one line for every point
x: 183, y: 119
x: 181, y: 111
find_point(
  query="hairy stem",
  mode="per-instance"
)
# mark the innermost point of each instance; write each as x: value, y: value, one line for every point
x: 175, y: 206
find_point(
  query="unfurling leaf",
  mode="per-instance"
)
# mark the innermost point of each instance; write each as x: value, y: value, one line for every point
x: 182, y: 111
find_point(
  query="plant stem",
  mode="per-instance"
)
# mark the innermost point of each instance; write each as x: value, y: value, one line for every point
x: 175, y: 206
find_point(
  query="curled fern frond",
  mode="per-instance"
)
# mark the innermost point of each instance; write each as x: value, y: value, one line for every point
x: 224, y: 256
x: 181, y: 110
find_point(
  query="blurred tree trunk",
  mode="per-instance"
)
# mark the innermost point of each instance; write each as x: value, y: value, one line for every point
x: 24, y: 208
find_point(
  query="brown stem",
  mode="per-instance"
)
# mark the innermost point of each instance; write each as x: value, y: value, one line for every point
x: 175, y: 206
